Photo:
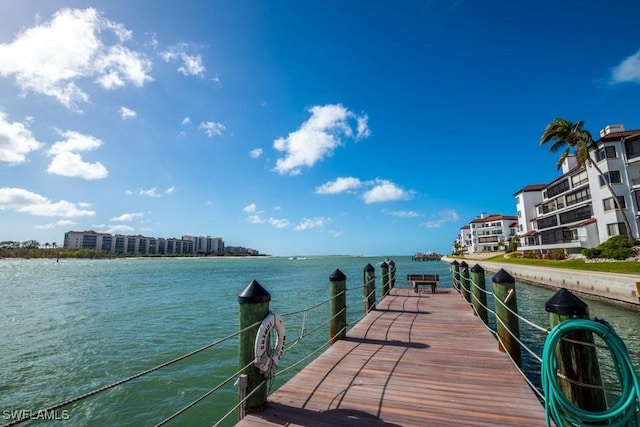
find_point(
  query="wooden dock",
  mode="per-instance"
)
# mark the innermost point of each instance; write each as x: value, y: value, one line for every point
x: 417, y: 360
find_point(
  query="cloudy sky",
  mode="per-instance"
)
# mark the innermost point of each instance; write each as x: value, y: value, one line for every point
x: 296, y: 127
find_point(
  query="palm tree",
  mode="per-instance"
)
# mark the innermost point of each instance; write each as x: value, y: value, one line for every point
x: 573, y: 140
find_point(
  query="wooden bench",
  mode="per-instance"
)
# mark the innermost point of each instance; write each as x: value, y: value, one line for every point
x: 418, y: 280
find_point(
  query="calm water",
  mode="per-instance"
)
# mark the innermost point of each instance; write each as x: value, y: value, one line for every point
x: 70, y: 327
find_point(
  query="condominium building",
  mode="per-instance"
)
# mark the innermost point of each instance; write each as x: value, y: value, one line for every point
x: 206, y: 245
x: 486, y: 233
x: 135, y: 245
x: 577, y: 210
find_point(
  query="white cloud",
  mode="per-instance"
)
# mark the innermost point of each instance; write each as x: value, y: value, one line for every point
x: 191, y: 65
x: 186, y: 121
x: 255, y: 153
x: 628, y: 70
x: 21, y: 200
x: 16, y: 141
x: 385, y: 191
x: 340, y: 185
x: 445, y: 216
x: 114, y: 229
x: 170, y: 190
x: 308, y: 224
x: 67, y: 162
x: 128, y: 216
x: 152, y: 192
x: 127, y: 113
x: 54, y: 57
x: 317, y: 138
x: 250, y: 208
x: 211, y: 128
x: 51, y: 225
x: 276, y: 222
x: 405, y: 214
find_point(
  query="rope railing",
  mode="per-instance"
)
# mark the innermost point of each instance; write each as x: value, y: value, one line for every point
x: 204, y: 396
x: 240, y: 403
x: 534, y: 355
x: 305, y: 332
x: 97, y: 391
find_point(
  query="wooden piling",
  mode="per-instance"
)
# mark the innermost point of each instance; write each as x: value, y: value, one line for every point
x: 392, y: 274
x: 479, y: 293
x: 338, y: 306
x: 455, y: 275
x: 253, y: 307
x: 369, y: 281
x: 384, y: 269
x: 507, y: 323
x: 465, y: 282
x: 577, y: 356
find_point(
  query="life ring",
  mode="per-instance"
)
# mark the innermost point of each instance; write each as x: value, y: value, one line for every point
x: 267, y: 357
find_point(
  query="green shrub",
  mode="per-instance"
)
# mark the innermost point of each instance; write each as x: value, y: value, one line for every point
x: 614, y: 248
x: 557, y: 254
x: 617, y: 253
x: 590, y: 253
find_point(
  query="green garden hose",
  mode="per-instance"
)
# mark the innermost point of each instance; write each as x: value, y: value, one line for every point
x: 624, y: 412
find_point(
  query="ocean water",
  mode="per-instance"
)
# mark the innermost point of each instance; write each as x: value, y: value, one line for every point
x: 73, y: 326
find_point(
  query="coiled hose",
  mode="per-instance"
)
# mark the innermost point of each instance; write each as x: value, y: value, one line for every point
x: 564, y: 412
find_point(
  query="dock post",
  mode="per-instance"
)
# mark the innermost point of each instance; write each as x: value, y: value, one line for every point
x: 479, y: 293
x: 392, y: 274
x: 338, y: 306
x: 369, y: 288
x: 577, y: 356
x: 465, y: 281
x: 507, y: 323
x: 253, y: 308
x: 384, y: 268
x: 455, y: 271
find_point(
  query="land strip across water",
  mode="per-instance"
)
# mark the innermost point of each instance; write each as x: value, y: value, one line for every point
x: 615, y: 287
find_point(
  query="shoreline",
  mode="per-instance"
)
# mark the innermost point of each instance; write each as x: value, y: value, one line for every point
x: 617, y: 288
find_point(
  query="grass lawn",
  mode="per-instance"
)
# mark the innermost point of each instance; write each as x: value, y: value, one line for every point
x: 632, y: 267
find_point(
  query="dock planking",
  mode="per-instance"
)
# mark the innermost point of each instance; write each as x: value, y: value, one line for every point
x: 417, y: 360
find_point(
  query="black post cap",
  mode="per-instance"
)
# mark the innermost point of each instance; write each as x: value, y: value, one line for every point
x: 392, y: 264
x: 463, y: 264
x: 566, y: 303
x: 477, y: 269
x: 337, y: 276
x: 502, y: 277
x: 254, y: 294
x: 384, y: 265
x: 369, y: 268
x: 455, y: 262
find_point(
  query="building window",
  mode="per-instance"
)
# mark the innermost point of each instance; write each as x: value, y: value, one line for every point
x: 551, y: 221
x: 632, y: 147
x: 579, y: 214
x: 557, y: 188
x: 610, y: 205
x: 607, y: 153
x: 616, y: 229
x: 612, y: 177
x: 578, y: 196
x: 579, y: 179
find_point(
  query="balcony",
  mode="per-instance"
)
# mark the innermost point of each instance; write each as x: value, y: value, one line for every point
x: 560, y: 244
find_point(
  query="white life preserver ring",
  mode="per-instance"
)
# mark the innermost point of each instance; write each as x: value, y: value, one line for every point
x: 267, y: 357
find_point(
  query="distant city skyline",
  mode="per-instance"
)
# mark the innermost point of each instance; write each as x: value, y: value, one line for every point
x: 296, y: 128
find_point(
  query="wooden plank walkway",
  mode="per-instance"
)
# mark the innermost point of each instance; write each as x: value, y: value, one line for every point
x: 417, y: 360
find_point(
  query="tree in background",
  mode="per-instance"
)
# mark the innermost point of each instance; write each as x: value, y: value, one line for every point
x: 573, y: 140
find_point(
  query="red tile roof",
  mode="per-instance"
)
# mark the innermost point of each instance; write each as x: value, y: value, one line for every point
x: 583, y: 223
x: 495, y: 217
x: 618, y: 135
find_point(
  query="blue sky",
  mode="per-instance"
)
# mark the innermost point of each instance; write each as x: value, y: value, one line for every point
x: 296, y: 127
